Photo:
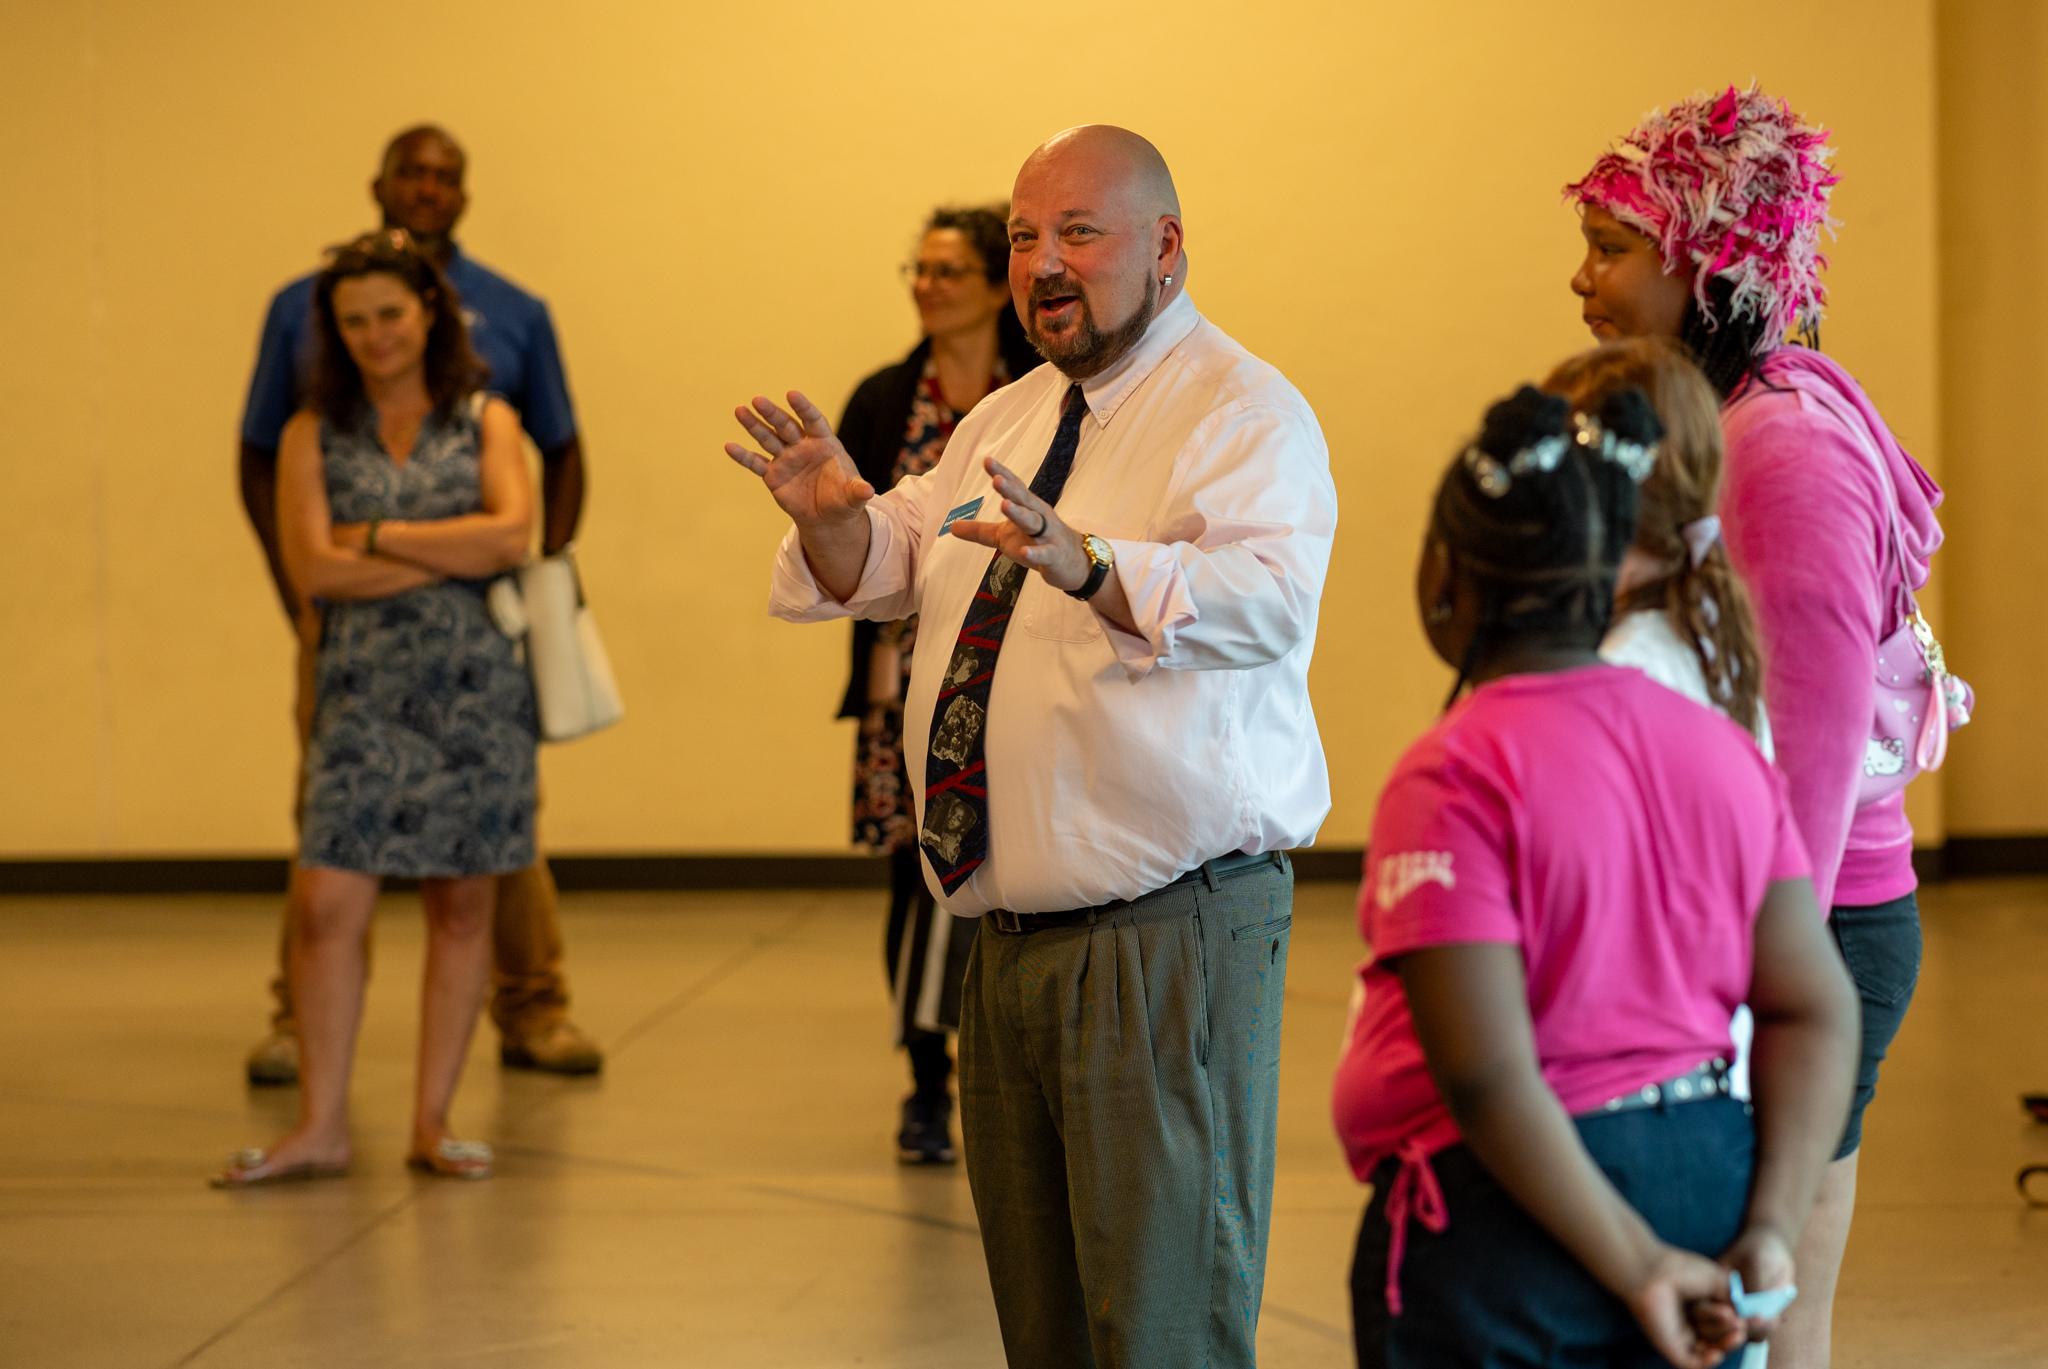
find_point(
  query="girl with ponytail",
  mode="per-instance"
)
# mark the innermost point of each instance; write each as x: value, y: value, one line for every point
x: 1564, y: 909
x: 1681, y: 614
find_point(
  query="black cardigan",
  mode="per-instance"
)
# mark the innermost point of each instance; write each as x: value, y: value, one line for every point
x: 872, y: 431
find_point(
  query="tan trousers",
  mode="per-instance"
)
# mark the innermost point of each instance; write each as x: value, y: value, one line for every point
x: 529, y: 990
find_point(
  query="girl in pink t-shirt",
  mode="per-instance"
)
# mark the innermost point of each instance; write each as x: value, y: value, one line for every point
x: 1575, y: 876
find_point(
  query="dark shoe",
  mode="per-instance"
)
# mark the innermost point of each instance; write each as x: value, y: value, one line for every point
x: 274, y: 1060
x: 556, y: 1048
x: 927, y: 1134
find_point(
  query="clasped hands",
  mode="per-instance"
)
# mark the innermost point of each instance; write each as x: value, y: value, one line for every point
x: 1681, y: 1300
x: 814, y: 481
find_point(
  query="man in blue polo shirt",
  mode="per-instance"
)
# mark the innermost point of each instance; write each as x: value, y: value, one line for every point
x: 419, y: 188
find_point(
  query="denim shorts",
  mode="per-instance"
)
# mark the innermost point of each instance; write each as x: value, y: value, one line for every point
x: 1495, y: 1289
x: 1881, y: 946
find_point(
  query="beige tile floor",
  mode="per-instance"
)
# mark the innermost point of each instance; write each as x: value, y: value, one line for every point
x: 726, y: 1195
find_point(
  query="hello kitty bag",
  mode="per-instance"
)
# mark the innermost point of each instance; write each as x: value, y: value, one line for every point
x: 1918, y: 701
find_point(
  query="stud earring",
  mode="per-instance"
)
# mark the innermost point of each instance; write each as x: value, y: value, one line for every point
x: 1439, y: 613
x: 1166, y: 280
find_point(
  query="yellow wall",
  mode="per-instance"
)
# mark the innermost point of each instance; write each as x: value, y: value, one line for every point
x: 713, y: 198
x: 1994, y: 292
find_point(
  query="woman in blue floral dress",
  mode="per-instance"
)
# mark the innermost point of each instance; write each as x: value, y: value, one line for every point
x: 402, y: 494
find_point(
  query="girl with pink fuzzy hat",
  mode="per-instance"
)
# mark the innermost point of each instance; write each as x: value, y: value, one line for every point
x: 1704, y: 224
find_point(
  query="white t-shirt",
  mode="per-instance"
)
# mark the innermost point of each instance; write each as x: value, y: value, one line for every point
x: 1646, y: 640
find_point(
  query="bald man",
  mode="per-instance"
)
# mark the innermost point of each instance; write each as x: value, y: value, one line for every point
x: 1117, y: 563
x: 419, y: 187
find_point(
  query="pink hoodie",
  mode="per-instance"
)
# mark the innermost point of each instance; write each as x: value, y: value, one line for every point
x: 1804, y: 515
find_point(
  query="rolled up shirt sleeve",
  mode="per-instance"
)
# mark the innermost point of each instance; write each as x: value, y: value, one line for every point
x: 888, y: 578
x: 1250, y: 525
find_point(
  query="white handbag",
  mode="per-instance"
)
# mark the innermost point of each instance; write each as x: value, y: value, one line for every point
x: 572, y: 676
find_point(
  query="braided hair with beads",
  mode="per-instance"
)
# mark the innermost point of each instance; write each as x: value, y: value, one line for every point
x: 1537, y: 512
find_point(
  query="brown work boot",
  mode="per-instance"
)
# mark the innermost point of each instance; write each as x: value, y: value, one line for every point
x: 556, y: 1047
x: 274, y: 1060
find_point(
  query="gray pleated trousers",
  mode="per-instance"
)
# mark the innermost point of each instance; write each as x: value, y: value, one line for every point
x: 1118, y: 1091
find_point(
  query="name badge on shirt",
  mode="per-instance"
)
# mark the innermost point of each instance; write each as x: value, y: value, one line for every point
x: 967, y: 510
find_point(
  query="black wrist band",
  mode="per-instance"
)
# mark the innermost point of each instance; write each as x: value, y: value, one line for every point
x: 1097, y: 573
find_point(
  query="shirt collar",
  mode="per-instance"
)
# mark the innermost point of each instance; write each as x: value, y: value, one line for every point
x: 1106, y: 391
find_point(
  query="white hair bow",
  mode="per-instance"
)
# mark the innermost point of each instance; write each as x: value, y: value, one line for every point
x: 1700, y: 536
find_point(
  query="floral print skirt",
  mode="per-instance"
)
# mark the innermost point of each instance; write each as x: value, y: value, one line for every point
x: 421, y: 761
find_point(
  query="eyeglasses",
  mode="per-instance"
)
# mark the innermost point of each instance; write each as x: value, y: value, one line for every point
x: 939, y: 272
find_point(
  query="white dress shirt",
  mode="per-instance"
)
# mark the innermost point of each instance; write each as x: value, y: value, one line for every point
x: 1119, y: 761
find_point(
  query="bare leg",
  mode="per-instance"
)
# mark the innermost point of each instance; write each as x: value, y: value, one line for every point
x: 275, y: 1059
x: 452, y: 994
x: 330, y: 914
x: 1805, y: 1338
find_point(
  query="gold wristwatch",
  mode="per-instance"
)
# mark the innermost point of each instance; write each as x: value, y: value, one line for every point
x: 1101, y: 556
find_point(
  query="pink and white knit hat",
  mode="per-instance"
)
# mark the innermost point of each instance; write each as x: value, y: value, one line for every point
x: 1734, y: 187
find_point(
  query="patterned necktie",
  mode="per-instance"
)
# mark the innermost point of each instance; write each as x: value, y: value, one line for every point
x: 955, y: 832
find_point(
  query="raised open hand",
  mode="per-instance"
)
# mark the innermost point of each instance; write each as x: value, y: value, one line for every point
x: 805, y: 467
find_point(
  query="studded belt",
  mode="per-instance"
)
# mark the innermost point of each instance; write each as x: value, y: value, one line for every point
x: 1708, y: 1080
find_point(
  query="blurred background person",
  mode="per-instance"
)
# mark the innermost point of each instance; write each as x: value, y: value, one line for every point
x: 420, y: 188
x: 895, y: 427
x: 402, y: 493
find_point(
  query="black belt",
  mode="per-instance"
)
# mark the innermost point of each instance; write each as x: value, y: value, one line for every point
x: 1210, y: 872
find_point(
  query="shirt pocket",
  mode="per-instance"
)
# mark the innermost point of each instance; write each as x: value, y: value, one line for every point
x: 1054, y: 615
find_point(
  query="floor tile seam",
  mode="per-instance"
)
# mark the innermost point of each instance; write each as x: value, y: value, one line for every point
x: 1338, y: 1335
x: 48, y: 1100
x: 624, y: 1040
x: 790, y: 1194
x: 242, y: 1318
x: 601, y: 1162
x: 709, y: 979
x: 854, y: 1205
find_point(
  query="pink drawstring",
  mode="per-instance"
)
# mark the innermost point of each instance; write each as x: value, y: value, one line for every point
x: 1932, y: 747
x: 1414, y: 1192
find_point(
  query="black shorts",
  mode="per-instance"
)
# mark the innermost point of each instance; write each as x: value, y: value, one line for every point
x: 1881, y: 946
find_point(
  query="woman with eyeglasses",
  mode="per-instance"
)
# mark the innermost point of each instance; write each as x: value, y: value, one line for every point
x: 895, y: 427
